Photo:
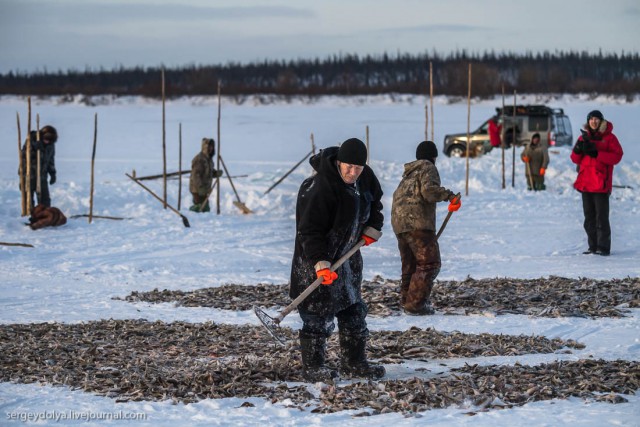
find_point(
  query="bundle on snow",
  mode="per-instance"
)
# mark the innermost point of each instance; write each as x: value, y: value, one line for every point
x: 43, y: 216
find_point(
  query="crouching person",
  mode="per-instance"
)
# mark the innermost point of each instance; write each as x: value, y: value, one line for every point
x: 413, y: 218
x: 336, y: 208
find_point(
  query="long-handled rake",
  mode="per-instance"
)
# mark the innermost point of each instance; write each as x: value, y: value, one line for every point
x: 273, y: 323
x: 446, y: 220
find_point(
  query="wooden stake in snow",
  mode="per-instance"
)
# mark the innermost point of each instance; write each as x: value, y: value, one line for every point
x: 288, y: 173
x: 504, y: 182
x: 218, y: 161
x: 367, y: 131
x: 23, y: 197
x: 38, y: 155
x: 313, y: 145
x: 426, y: 122
x: 185, y: 221
x: 164, y: 148
x: 179, y: 164
x: 431, y: 97
x: 466, y: 186
x: 25, y: 245
x: 28, y: 157
x: 513, y: 143
x: 93, y: 162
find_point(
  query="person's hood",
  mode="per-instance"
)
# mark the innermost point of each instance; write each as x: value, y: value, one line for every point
x: 324, y: 163
x: 411, y: 167
x: 605, y: 127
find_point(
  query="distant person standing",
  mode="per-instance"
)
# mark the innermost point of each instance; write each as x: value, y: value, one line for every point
x: 47, y: 149
x: 413, y: 218
x: 596, y: 152
x: 202, y: 174
x: 536, y: 159
x: 495, y: 127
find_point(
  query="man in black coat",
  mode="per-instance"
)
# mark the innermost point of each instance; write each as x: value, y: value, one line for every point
x: 336, y: 208
x: 46, y: 147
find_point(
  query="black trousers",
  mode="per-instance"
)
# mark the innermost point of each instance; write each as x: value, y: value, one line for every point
x: 596, y: 221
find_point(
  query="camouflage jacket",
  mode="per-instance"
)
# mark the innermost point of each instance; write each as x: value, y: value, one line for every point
x: 414, y: 201
x: 202, y: 171
x: 538, y: 157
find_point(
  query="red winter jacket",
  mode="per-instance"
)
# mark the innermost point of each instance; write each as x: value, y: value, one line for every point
x: 494, y: 133
x: 596, y: 173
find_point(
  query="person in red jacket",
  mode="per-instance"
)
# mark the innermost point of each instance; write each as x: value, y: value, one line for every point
x: 596, y: 152
x: 494, y: 131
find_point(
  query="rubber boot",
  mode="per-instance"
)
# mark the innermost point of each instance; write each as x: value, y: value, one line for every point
x: 313, y: 355
x: 353, y: 361
x: 418, y: 301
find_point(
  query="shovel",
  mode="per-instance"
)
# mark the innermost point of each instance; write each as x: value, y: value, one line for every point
x: 273, y: 323
x: 444, y: 223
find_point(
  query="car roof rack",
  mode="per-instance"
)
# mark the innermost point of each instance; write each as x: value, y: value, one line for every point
x: 529, y: 110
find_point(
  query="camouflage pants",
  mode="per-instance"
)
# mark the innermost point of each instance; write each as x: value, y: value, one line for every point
x: 420, y: 256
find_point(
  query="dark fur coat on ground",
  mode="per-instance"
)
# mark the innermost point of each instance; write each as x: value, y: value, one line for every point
x: 43, y: 216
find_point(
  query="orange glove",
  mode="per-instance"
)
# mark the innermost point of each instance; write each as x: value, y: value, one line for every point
x: 327, y: 276
x: 542, y: 171
x: 525, y: 159
x: 368, y: 240
x: 454, y: 206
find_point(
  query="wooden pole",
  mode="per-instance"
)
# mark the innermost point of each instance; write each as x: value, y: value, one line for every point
x: 513, y: 143
x: 179, y: 164
x: 466, y: 186
x: 288, y: 173
x: 431, y: 96
x: 218, y: 161
x: 185, y: 221
x: 504, y: 182
x: 28, y: 157
x: 23, y: 198
x: 164, y: 146
x: 25, y: 245
x: 93, y: 162
x: 313, y: 145
x: 426, y: 122
x: 367, y: 138
x: 38, y: 160
x: 238, y: 203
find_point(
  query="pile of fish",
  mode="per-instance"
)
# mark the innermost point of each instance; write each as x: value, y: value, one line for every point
x: 548, y: 297
x: 480, y: 388
x: 186, y: 362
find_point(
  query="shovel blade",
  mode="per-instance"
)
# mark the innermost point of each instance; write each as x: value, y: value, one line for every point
x: 270, y: 324
x: 245, y: 210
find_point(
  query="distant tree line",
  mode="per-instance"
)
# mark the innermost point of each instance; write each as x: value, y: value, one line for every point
x: 350, y: 74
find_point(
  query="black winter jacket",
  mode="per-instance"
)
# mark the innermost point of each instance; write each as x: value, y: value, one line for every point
x: 47, y: 160
x: 330, y: 218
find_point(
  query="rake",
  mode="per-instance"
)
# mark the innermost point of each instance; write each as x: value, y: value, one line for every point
x: 272, y: 324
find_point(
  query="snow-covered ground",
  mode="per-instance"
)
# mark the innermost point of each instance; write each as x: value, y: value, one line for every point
x: 74, y: 271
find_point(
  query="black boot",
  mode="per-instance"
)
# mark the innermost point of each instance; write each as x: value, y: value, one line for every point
x: 313, y: 354
x: 353, y: 362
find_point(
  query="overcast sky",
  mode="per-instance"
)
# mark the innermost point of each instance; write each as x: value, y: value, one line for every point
x: 76, y: 34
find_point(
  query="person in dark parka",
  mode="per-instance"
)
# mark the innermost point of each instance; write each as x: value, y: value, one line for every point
x: 46, y: 146
x: 203, y: 172
x: 536, y: 157
x: 335, y: 209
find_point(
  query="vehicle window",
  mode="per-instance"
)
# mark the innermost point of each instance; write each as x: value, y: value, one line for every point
x: 484, y: 128
x: 558, y: 124
x: 567, y: 125
x: 538, y: 123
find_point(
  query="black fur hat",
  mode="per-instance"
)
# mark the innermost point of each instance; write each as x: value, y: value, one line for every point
x: 426, y: 150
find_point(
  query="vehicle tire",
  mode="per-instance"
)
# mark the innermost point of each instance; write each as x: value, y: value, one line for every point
x: 457, y: 151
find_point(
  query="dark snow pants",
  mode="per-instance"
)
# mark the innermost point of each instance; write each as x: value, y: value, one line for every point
x: 420, y: 256
x: 351, y: 322
x: 596, y: 221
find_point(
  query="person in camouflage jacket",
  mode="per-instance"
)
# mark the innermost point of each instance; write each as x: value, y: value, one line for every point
x: 413, y: 219
x: 536, y: 159
x: 202, y: 174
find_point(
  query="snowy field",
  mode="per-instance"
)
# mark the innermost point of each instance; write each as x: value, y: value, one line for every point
x: 75, y: 271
